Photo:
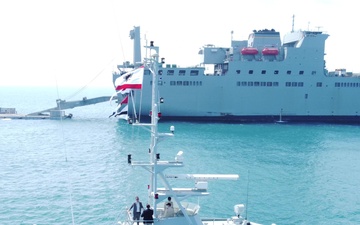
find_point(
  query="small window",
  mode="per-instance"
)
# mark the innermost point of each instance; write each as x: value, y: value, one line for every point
x: 318, y: 84
x: 178, y: 83
x: 301, y: 72
x: 251, y: 71
x: 238, y: 71
x: 263, y: 71
x: 256, y: 83
x: 276, y: 72
x: 182, y: 72
x: 288, y: 72
x: 306, y: 96
x: 172, y: 83
x: 263, y: 84
x: 251, y: 83
x: 194, y: 72
x: 288, y: 84
x: 186, y: 83
x: 294, y: 84
x: 313, y: 72
x: 238, y: 83
x: 170, y: 72
x: 160, y: 72
x: 244, y: 83
x: 275, y: 84
x: 301, y: 84
x: 337, y: 84
x: 269, y: 84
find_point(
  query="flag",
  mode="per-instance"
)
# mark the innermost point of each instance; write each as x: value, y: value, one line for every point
x: 130, y: 80
x: 117, y: 110
x: 125, y: 100
x: 123, y: 114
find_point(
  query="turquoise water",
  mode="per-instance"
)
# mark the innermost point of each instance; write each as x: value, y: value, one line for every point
x: 76, y: 171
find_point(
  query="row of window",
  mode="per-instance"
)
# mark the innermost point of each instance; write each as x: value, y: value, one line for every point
x: 288, y: 72
x: 268, y: 84
x: 185, y: 83
x: 181, y: 83
x: 172, y: 72
x: 196, y: 72
x: 258, y: 84
x: 346, y: 84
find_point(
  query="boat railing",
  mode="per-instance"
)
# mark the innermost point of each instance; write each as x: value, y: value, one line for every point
x: 129, y: 219
x: 190, y: 208
x: 234, y: 219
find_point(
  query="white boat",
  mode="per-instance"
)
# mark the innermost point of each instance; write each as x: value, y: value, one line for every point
x: 185, y: 211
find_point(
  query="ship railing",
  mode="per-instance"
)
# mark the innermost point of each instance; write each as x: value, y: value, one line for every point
x: 190, y: 208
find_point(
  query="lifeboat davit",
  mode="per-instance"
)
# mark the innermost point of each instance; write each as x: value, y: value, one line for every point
x: 270, y: 51
x: 249, y: 51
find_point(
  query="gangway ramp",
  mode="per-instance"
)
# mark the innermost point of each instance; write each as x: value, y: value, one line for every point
x: 63, y: 104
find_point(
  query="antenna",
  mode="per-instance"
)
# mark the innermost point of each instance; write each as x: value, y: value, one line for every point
x: 247, y: 197
x: 293, y: 21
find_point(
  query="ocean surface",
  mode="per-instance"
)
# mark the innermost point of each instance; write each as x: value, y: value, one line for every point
x: 76, y: 172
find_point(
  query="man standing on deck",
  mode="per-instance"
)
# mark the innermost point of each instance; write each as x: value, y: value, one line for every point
x: 148, y: 215
x: 136, y: 206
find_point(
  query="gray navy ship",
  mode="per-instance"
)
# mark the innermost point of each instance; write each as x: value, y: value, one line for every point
x: 261, y: 79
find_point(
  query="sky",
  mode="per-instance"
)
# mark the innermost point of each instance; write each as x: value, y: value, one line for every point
x: 79, y: 42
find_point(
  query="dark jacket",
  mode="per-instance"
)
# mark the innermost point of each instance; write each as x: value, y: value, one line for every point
x: 148, y: 215
x: 133, y: 206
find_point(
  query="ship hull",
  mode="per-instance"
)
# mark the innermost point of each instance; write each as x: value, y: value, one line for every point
x: 219, y: 98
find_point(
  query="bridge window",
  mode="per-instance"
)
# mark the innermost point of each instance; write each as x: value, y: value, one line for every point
x: 194, y: 72
x: 170, y: 72
x: 182, y: 72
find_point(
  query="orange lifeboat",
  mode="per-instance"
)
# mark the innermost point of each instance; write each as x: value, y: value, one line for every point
x: 249, y: 51
x: 270, y: 51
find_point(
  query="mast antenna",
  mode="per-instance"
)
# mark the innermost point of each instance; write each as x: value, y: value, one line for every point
x: 247, y: 197
x: 293, y: 21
